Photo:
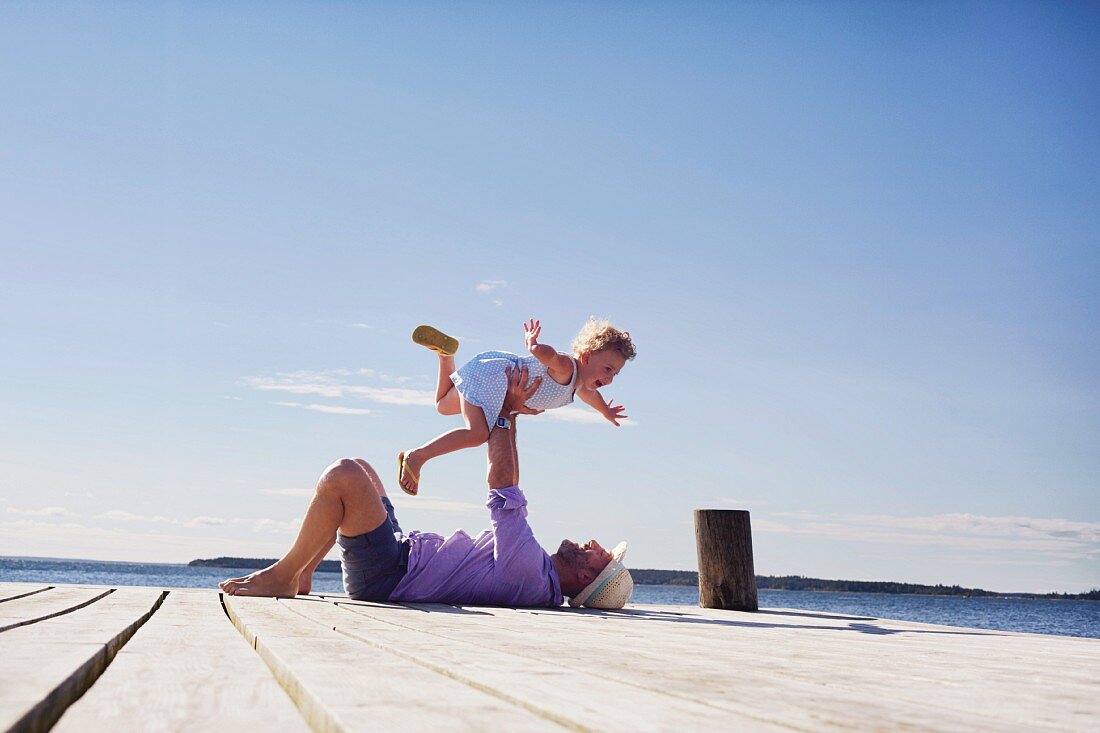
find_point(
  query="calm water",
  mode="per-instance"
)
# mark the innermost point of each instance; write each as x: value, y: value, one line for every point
x: 1067, y: 618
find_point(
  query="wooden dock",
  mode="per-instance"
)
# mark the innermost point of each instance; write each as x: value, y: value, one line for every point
x: 84, y: 658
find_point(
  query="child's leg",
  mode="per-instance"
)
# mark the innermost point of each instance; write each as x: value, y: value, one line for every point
x: 446, y: 396
x: 474, y: 434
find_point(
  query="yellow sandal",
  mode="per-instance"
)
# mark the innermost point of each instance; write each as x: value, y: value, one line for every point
x: 403, y: 467
x: 436, y: 340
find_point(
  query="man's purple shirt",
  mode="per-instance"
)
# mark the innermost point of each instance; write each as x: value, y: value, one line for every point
x: 502, y: 566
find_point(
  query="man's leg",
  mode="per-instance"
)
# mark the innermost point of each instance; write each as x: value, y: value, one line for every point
x: 346, y: 500
x: 305, y: 580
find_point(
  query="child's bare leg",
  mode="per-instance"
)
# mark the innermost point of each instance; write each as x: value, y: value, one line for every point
x: 474, y: 434
x: 443, y: 381
x: 447, y: 399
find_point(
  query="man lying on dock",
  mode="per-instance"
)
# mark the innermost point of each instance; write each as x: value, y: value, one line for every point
x: 502, y: 566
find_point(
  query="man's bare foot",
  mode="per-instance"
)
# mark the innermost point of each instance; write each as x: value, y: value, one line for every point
x: 266, y: 582
x: 305, y: 585
x: 410, y: 472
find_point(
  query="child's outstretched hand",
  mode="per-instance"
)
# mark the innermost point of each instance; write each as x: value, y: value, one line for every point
x: 531, y: 331
x: 614, y: 413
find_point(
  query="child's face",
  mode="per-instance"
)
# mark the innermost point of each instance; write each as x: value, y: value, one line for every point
x: 600, y: 368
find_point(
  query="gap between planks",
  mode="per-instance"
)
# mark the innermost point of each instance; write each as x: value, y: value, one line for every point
x: 28, y: 593
x: 46, y: 712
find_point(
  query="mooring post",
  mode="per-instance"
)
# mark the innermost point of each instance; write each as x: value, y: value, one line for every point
x: 723, y: 539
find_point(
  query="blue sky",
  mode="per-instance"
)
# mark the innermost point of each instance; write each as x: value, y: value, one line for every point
x: 856, y: 244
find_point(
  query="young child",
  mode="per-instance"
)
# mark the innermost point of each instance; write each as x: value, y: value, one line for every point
x: 477, y: 389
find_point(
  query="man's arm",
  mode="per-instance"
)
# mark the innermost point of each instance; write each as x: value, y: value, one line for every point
x: 503, y: 459
x: 503, y: 456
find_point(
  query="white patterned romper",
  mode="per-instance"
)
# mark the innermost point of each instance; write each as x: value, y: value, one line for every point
x: 482, y: 381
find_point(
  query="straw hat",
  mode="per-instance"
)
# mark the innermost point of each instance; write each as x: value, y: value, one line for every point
x: 611, y: 588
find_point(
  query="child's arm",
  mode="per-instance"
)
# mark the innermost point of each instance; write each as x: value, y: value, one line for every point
x: 557, y: 364
x: 614, y: 413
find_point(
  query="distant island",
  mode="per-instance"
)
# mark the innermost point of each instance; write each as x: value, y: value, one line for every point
x: 766, y: 582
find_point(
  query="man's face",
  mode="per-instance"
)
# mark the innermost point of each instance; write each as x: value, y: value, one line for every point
x: 587, y: 559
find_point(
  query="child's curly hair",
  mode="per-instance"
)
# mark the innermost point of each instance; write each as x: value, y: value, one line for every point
x: 599, y: 334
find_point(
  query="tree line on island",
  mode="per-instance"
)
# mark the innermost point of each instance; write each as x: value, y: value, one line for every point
x: 765, y: 582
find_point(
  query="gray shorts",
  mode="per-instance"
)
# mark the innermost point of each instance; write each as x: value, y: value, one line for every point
x: 374, y: 562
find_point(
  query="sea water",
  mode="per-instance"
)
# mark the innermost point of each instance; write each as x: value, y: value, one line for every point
x: 1041, y: 616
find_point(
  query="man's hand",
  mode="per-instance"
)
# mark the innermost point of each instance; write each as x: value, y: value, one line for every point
x: 531, y: 331
x: 515, y: 400
x: 614, y: 413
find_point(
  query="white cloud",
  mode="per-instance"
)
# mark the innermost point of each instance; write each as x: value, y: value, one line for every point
x: 488, y: 286
x: 46, y: 511
x: 275, y: 526
x: 130, y: 542
x: 970, y: 524
x: 327, y: 409
x: 741, y: 502
x: 287, y: 492
x: 121, y: 515
x: 429, y: 504
x: 1059, y: 538
x: 33, y: 524
x: 205, y: 522
x: 335, y: 383
x: 393, y: 395
x: 362, y: 325
x: 229, y: 397
x: 582, y: 415
x: 399, y: 499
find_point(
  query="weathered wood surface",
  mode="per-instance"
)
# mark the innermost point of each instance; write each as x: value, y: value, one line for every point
x: 332, y: 664
x: 723, y: 543
x: 186, y: 670
x: 47, y: 665
x: 35, y: 607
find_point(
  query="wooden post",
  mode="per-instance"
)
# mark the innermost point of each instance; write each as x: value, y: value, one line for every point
x: 723, y: 539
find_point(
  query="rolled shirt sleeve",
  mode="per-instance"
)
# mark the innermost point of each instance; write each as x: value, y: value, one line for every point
x: 516, y: 548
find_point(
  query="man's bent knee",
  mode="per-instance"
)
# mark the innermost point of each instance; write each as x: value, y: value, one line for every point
x: 363, y: 464
x: 344, y: 472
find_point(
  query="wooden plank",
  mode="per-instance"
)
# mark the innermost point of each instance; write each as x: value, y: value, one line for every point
x: 582, y: 701
x: 778, y: 667
x: 186, y: 669
x: 625, y: 658
x: 342, y: 684
x: 48, y: 665
x: 40, y: 606
x: 958, y: 670
x: 941, y: 668
x: 364, y: 666
x: 11, y: 591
